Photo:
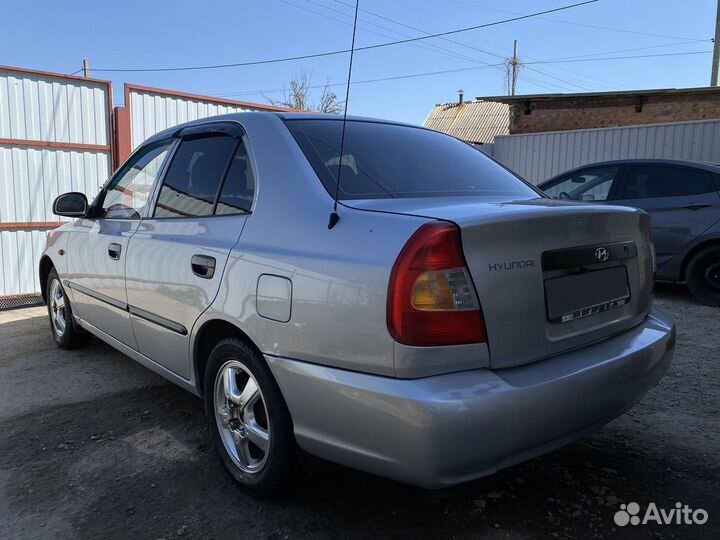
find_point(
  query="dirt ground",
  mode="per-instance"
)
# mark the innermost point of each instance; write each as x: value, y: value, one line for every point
x: 94, y: 446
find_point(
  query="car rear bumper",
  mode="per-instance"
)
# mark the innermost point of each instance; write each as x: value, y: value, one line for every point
x: 443, y: 430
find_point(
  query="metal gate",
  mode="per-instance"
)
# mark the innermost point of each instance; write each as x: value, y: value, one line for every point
x: 55, y: 136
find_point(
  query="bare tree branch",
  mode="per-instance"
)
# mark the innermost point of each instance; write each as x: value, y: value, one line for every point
x: 298, y: 96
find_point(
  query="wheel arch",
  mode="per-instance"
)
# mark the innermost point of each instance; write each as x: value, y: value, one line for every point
x: 208, y: 335
x: 715, y: 241
x: 44, y: 268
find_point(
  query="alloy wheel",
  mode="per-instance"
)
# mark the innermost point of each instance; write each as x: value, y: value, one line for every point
x: 241, y: 417
x: 57, y: 308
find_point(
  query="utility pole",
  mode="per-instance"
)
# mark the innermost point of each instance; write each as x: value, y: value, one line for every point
x: 86, y: 66
x: 516, y: 67
x: 716, y: 50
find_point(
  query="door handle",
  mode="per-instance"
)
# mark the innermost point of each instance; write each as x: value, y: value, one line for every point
x: 114, y: 251
x: 203, y: 266
x: 695, y: 206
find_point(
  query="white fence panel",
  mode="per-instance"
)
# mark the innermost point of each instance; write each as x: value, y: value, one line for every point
x: 153, y: 110
x: 54, y: 137
x: 40, y: 107
x: 539, y: 156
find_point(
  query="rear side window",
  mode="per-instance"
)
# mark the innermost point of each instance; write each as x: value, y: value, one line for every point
x: 592, y: 184
x: 194, y: 176
x: 238, y: 190
x: 387, y: 161
x: 655, y: 181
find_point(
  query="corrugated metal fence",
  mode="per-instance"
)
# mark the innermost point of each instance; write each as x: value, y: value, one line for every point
x: 539, y: 156
x: 153, y: 109
x: 58, y: 133
x: 54, y: 137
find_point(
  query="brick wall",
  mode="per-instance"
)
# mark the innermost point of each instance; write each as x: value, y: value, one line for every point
x: 612, y: 111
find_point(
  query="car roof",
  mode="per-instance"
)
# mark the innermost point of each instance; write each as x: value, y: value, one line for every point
x: 705, y: 165
x: 300, y: 115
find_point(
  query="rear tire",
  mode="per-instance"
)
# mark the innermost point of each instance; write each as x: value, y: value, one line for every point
x: 248, y: 420
x: 703, y: 276
x: 62, y: 324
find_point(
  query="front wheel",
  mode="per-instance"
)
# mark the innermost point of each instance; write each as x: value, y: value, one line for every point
x: 703, y: 276
x: 248, y: 419
x: 64, y: 331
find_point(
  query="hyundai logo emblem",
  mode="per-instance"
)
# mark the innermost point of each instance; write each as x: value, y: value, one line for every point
x: 601, y: 254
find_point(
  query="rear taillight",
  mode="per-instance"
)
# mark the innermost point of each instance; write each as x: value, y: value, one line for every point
x: 431, y: 298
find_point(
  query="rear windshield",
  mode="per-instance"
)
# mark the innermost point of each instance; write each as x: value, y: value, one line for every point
x: 387, y: 161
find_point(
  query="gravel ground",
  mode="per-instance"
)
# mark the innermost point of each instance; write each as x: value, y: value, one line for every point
x: 92, y: 445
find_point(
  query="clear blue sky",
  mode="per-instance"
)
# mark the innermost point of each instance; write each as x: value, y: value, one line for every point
x: 55, y: 36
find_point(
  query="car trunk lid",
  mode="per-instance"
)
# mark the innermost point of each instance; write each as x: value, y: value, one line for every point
x: 551, y: 276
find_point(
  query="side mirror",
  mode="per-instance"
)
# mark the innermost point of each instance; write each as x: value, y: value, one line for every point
x: 73, y: 204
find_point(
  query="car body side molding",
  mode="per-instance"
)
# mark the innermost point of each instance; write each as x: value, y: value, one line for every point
x: 141, y: 313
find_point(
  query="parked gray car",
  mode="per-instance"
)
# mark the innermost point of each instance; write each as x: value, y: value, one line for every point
x: 683, y: 200
x: 452, y: 322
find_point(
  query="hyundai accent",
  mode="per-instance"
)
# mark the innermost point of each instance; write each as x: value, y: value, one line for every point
x: 448, y: 321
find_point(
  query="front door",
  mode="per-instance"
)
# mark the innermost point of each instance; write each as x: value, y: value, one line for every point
x: 177, y: 256
x: 591, y: 184
x: 682, y: 202
x: 97, y: 248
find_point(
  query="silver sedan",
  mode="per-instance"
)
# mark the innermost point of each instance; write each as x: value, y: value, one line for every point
x: 445, y: 321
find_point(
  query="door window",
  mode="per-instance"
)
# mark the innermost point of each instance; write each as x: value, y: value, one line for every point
x: 126, y: 197
x: 194, y: 176
x: 238, y: 190
x: 593, y: 184
x: 655, y: 181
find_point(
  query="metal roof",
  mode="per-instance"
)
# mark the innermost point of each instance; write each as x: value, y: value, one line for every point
x: 471, y: 121
x: 591, y: 95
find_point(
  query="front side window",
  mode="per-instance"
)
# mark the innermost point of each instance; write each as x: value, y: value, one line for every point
x: 588, y: 185
x: 126, y: 197
x: 194, y: 176
x: 387, y: 161
x: 655, y: 181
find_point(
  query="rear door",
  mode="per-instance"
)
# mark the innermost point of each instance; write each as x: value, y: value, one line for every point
x: 682, y: 202
x: 176, y: 258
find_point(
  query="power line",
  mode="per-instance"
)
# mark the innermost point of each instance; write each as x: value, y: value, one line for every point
x: 476, y: 27
x: 580, y: 77
x: 570, y: 60
x: 640, y: 48
x: 587, y: 56
x: 343, y: 51
x: 470, y: 68
x: 374, y: 14
x: 568, y: 85
x: 426, y: 46
x: 564, y: 81
x: 366, y: 81
x: 596, y: 26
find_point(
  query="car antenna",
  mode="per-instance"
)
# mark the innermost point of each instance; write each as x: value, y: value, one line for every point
x: 334, y: 216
